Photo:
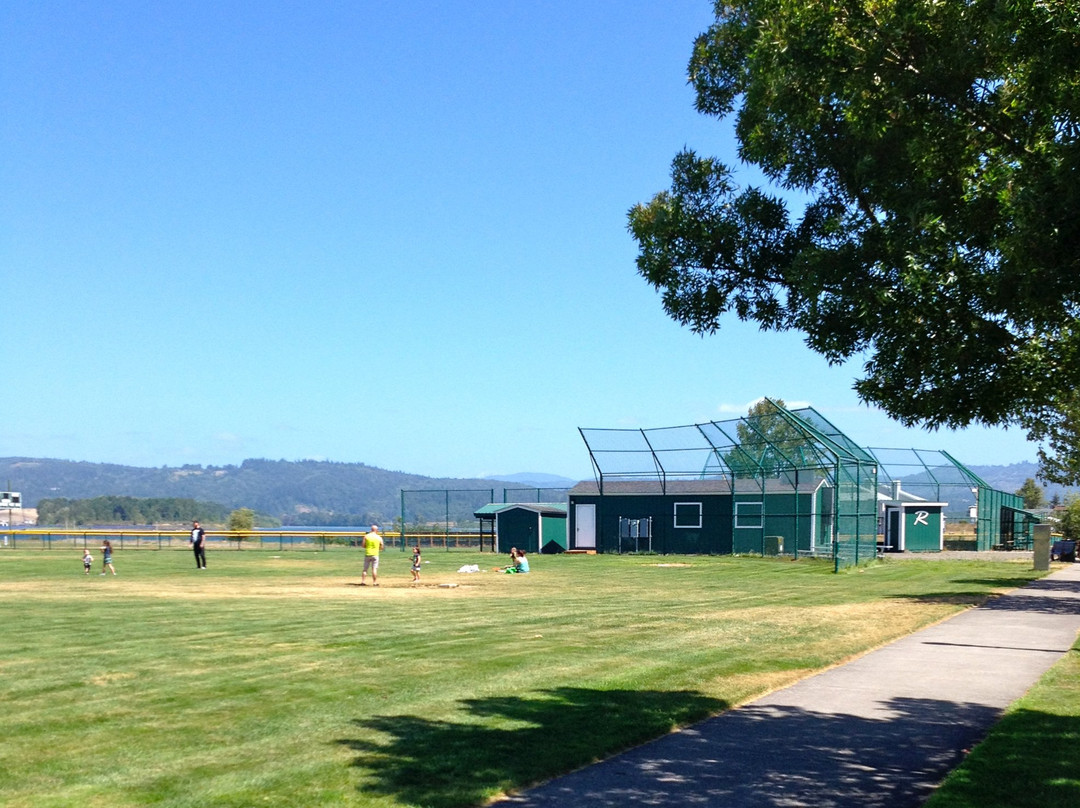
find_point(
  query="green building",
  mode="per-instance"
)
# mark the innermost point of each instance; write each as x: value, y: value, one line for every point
x: 911, y: 524
x: 998, y: 518
x: 777, y: 481
x: 535, y: 527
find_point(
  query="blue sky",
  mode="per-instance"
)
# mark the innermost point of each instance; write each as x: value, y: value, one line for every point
x: 380, y: 232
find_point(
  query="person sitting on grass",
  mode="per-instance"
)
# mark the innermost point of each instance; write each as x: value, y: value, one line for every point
x: 513, y: 562
x: 521, y: 563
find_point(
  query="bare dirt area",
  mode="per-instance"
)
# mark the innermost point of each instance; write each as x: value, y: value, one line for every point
x: 231, y: 589
x: 1012, y: 556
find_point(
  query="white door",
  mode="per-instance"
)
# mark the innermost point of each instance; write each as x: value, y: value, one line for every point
x: 584, y: 527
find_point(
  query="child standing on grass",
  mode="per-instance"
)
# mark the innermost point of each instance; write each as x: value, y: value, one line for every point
x: 87, y: 561
x: 416, y: 564
x: 106, y: 557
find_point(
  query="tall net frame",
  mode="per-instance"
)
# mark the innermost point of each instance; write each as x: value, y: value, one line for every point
x: 786, y: 471
x: 999, y: 518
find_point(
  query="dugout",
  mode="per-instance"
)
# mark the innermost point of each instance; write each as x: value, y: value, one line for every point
x: 774, y: 481
x: 535, y: 527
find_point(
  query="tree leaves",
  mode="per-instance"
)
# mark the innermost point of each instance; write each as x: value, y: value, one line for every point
x: 937, y: 228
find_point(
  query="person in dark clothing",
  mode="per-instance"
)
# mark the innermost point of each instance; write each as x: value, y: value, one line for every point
x: 198, y: 544
x: 106, y: 557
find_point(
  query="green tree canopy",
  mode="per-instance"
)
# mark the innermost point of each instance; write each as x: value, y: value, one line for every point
x: 927, y: 217
x: 126, y: 511
x: 242, y: 519
x: 768, y: 443
x: 1032, y: 493
x: 1069, y: 518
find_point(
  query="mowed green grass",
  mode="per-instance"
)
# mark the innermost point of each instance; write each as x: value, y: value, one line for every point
x: 1031, y: 758
x: 273, y: 679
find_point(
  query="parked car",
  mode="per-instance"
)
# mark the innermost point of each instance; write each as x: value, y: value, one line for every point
x: 1063, y: 550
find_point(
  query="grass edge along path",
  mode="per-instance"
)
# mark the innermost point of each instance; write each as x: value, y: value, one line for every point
x: 275, y: 679
x: 1031, y: 756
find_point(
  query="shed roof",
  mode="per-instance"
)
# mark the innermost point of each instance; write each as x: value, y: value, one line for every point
x: 543, y: 508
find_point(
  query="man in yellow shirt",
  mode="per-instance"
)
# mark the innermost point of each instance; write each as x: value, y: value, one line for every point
x: 373, y: 544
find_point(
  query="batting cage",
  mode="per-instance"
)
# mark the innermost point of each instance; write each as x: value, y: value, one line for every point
x: 776, y: 481
x: 921, y: 480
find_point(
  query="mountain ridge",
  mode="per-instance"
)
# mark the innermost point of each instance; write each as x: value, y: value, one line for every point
x: 287, y: 489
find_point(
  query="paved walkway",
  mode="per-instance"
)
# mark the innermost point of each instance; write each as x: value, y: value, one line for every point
x: 878, y: 732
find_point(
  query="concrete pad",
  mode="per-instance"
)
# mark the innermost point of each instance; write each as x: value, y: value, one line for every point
x: 879, y: 732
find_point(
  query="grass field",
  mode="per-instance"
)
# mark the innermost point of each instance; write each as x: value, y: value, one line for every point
x: 273, y: 679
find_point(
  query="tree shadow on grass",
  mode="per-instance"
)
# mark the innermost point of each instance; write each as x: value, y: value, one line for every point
x: 509, y: 742
x: 1042, y: 595
x: 1041, y: 584
x: 971, y: 598
x: 1003, y: 582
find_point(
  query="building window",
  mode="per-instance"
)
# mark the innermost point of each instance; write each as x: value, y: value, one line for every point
x: 687, y: 514
x: 748, y: 514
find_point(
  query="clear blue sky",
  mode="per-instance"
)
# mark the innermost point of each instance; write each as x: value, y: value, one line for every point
x: 379, y: 232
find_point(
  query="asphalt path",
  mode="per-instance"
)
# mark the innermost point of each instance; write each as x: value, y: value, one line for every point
x: 878, y: 732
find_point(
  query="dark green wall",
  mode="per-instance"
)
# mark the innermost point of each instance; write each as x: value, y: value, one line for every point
x: 519, y: 528
x: 552, y: 530
x: 529, y: 531
x: 787, y: 515
x: 922, y: 537
x: 713, y: 537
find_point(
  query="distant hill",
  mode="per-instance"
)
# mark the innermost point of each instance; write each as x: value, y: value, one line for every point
x: 534, y: 479
x: 1011, y: 477
x: 298, y: 492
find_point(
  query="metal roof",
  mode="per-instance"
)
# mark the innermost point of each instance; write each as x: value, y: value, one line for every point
x: 543, y: 508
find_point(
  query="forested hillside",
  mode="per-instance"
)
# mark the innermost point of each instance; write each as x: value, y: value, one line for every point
x: 126, y: 511
x: 297, y: 492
